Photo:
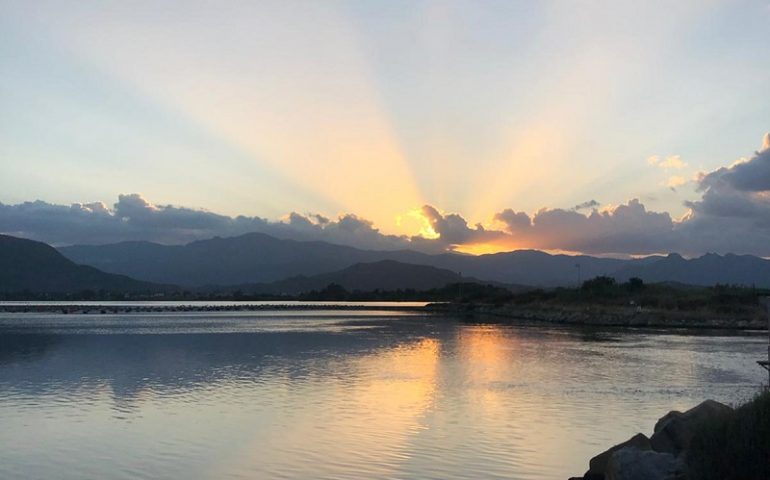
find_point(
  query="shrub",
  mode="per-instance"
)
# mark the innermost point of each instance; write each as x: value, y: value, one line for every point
x: 734, y: 446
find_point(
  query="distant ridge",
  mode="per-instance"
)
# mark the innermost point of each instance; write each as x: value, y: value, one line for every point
x: 249, y: 258
x: 27, y: 265
x: 385, y: 275
x: 260, y: 258
x: 706, y: 270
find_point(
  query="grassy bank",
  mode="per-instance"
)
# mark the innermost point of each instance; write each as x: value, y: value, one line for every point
x: 735, y: 445
x: 603, y: 301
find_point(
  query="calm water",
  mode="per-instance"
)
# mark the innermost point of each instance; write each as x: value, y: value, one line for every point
x: 260, y: 395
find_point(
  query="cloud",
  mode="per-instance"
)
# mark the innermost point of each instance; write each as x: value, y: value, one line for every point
x: 623, y: 229
x: 590, y: 204
x: 746, y: 175
x: 453, y: 229
x: 675, y: 181
x: 740, y: 190
x: 731, y: 215
x: 134, y: 218
x: 513, y: 222
x: 671, y: 162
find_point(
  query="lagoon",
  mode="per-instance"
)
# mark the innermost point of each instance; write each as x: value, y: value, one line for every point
x: 341, y: 395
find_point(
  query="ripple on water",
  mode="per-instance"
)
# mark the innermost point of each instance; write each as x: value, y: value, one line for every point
x: 330, y: 397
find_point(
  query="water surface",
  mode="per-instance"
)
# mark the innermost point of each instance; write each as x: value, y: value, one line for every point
x: 340, y: 395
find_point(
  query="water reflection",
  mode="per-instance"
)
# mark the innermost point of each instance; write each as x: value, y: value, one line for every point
x: 365, y: 397
x: 368, y: 413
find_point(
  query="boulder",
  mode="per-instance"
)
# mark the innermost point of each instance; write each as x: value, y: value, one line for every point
x: 674, y: 431
x: 631, y: 463
x: 598, y: 465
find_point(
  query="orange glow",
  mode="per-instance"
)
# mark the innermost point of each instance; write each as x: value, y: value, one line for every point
x: 484, y: 248
x: 396, y: 388
x: 346, y: 153
x: 419, y: 221
x: 487, y: 354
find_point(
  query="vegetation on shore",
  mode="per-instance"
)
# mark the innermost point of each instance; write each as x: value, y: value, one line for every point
x: 603, y: 301
x: 596, y: 292
x: 466, y: 292
x: 605, y: 291
x: 735, y: 445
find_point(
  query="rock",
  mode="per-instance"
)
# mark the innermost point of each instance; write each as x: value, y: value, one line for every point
x: 674, y: 431
x: 598, y: 465
x: 631, y: 463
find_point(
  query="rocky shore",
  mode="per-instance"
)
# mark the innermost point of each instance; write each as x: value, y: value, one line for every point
x: 611, y: 316
x: 663, y: 456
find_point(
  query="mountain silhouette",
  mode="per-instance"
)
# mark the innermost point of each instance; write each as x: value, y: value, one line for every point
x: 38, y: 267
x: 385, y: 275
x: 259, y: 258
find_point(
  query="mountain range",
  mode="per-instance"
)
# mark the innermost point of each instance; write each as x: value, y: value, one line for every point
x: 26, y: 265
x: 385, y: 275
x: 257, y: 258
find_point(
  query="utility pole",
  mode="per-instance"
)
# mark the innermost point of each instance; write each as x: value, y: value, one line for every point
x: 577, y: 265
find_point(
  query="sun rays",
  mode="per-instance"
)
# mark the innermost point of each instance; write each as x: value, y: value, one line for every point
x: 330, y: 135
x: 261, y: 109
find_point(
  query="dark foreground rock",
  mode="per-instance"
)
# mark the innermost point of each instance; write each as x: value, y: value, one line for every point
x: 674, y: 432
x: 597, y: 467
x: 631, y: 463
x: 660, y: 457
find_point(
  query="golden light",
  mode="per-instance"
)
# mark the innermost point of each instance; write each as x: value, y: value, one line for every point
x: 331, y: 137
x: 484, y: 248
x: 394, y: 389
x: 425, y: 228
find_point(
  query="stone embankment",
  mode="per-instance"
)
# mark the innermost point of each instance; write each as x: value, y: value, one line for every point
x: 663, y: 456
x: 611, y: 316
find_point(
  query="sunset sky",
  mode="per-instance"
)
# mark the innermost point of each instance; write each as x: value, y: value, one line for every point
x: 597, y: 127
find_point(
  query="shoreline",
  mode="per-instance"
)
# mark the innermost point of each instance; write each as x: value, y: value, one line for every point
x: 608, y: 316
x: 594, y: 315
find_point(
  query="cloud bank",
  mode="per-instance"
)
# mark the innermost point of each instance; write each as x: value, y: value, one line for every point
x: 134, y: 218
x: 731, y: 215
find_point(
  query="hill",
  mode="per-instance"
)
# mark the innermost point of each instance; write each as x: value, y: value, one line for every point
x: 259, y: 258
x: 385, y: 275
x: 249, y: 258
x: 707, y: 270
x: 26, y: 265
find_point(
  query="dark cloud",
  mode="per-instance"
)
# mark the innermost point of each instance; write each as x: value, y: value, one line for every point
x: 732, y: 215
x: 741, y: 190
x: 348, y: 229
x: 453, y: 229
x: 752, y: 175
x: 135, y: 218
x: 589, y: 205
x: 514, y: 222
x: 628, y: 228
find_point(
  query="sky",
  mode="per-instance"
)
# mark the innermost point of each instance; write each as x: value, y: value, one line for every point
x: 610, y: 128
